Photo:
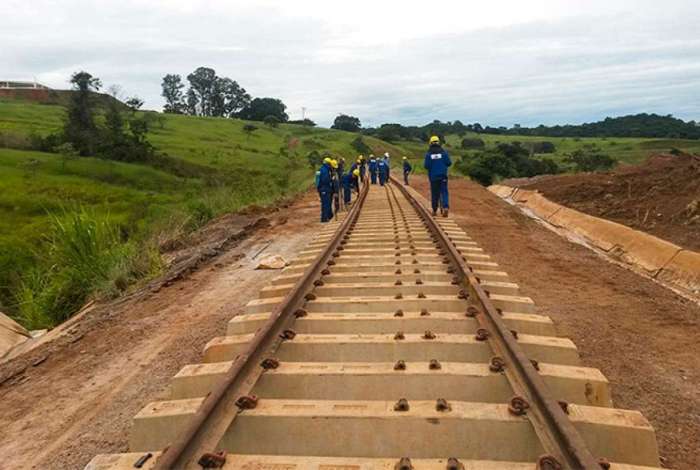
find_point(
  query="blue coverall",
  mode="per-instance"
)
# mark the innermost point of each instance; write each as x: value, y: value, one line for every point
x: 383, y: 171
x: 373, y: 170
x: 436, y: 162
x: 325, y: 192
x: 406, y: 171
x: 347, y: 187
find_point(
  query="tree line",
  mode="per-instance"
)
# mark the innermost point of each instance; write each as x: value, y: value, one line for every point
x: 638, y: 125
x: 211, y: 95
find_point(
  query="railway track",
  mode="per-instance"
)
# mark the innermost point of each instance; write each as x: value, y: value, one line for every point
x: 392, y: 341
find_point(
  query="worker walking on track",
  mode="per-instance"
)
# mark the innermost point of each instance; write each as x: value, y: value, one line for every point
x: 382, y: 171
x: 335, y: 178
x: 363, y: 167
x: 406, y: 170
x: 347, y: 180
x: 324, y: 185
x: 437, y: 161
x: 373, y: 169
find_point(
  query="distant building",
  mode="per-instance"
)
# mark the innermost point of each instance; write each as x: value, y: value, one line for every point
x: 15, y: 85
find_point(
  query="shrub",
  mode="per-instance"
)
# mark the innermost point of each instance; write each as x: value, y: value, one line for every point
x: 272, y: 121
x: 473, y: 143
x: 314, y: 158
x: 360, y: 145
x: 590, y: 158
x: 505, y: 161
x: 543, y: 147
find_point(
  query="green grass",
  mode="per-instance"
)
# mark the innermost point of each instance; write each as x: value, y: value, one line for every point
x: 212, y: 167
x: 624, y: 149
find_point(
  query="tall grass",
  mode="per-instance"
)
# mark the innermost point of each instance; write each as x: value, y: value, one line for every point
x: 84, y: 258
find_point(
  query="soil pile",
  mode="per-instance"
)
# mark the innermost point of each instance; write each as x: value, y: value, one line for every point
x: 660, y: 196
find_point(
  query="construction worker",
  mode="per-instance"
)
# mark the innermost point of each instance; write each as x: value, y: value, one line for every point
x: 347, y: 186
x: 363, y: 167
x: 437, y: 161
x: 335, y: 177
x: 324, y: 185
x: 341, y: 167
x: 373, y: 169
x: 356, y: 180
x: 383, y: 171
x: 406, y: 170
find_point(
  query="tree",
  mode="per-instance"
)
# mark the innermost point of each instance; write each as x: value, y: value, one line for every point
x: 228, y: 98
x: 172, y: 92
x: 79, y: 127
x: 202, y: 86
x: 134, y: 103
x: 344, y: 122
x: 260, y: 108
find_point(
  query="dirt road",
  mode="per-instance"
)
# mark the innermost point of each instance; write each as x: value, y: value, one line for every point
x: 640, y: 335
x: 81, y: 399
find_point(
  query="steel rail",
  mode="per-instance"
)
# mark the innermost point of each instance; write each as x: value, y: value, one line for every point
x: 218, y: 410
x: 560, y: 439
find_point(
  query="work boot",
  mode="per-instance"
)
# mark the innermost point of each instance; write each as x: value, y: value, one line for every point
x: 444, y: 212
x: 434, y: 212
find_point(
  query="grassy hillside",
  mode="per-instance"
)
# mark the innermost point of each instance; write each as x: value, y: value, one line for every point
x: 208, y: 166
x: 624, y: 149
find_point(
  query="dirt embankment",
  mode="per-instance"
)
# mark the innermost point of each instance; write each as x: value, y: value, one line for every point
x: 642, y: 336
x: 660, y: 196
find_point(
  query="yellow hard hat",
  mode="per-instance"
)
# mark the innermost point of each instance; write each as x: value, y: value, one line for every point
x: 360, y: 157
x: 334, y: 163
x: 434, y: 140
x: 356, y: 172
x: 405, y: 158
x: 327, y: 160
x: 359, y: 161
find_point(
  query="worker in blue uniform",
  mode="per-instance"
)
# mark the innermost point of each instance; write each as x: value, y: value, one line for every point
x: 437, y: 161
x: 324, y: 184
x: 347, y: 188
x: 335, y: 178
x: 383, y: 171
x: 406, y: 170
x: 341, y: 167
x: 373, y: 169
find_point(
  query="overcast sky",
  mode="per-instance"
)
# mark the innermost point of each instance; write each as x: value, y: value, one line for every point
x: 498, y: 62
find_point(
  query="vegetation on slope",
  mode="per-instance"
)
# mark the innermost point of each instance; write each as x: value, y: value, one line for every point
x: 72, y: 228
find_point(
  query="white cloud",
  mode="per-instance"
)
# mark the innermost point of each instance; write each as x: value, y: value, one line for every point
x: 499, y: 62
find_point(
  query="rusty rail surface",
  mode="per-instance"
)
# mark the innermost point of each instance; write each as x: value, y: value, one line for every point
x: 219, y: 409
x: 558, y: 435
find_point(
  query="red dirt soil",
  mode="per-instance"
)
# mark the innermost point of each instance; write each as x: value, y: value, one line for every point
x: 660, y: 196
x: 642, y: 336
